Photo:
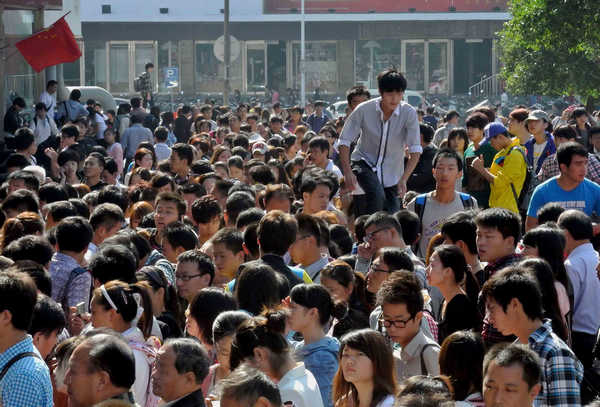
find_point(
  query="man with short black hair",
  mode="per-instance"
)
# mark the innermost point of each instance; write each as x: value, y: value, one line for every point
x: 571, y: 188
x: 178, y: 238
x: 434, y: 207
x: 72, y: 109
x: 106, y: 220
x: 498, y: 232
x: 42, y: 124
x: 182, y: 156
x: 318, y: 118
x: 25, y: 144
x: 12, y: 120
x: 429, y: 118
x: 421, y: 180
x: 180, y: 368
x: 206, y: 214
x: 511, y: 376
x: 356, y: 95
x: 377, y: 170
x: 102, y: 367
x: 24, y: 375
x: 306, y: 250
x: 70, y: 281
x: 460, y: 230
x: 514, y: 306
x: 402, y: 304
x: 237, y: 202
x: 47, y: 322
x: 195, y: 271
x: 581, y: 265
x: 318, y: 155
x: 22, y: 180
x: 147, y: 87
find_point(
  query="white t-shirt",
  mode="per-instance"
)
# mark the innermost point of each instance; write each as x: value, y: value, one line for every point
x: 99, y: 119
x: 299, y: 387
x: 538, y: 149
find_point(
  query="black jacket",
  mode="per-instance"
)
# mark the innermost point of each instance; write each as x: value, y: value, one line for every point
x: 421, y: 180
x: 195, y: 399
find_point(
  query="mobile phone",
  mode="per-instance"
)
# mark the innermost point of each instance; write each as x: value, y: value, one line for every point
x: 81, y: 308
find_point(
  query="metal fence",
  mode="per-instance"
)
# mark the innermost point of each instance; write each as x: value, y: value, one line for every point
x: 488, y: 86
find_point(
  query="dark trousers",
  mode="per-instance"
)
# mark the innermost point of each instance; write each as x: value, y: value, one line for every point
x: 376, y: 197
x: 583, y: 346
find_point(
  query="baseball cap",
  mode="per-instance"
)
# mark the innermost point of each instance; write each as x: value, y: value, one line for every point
x: 492, y: 130
x: 260, y: 147
x: 538, y: 115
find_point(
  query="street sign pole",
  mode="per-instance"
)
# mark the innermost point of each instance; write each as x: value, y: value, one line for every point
x: 302, y: 60
x: 227, y: 49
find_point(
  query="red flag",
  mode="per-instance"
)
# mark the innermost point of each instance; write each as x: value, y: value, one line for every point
x: 52, y: 46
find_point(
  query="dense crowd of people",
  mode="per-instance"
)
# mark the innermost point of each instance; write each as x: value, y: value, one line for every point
x: 271, y: 257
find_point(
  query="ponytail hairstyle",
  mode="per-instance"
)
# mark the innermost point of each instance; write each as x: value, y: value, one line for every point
x: 316, y: 296
x: 121, y: 297
x: 451, y: 256
x: 156, y: 279
x: 264, y: 331
x: 342, y: 273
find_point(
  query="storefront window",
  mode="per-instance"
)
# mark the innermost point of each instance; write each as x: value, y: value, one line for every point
x: 415, y: 65
x: 119, y: 68
x: 18, y: 22
x: 168, y: 56
x: 95, y: 63
x: 210, y: 71
x: 438, y: 67
x: 255, y: 59
x: 372, y: 57
x: 321, y: 66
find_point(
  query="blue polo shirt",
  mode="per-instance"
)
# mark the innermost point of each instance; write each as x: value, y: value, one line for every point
x: 586, y: 197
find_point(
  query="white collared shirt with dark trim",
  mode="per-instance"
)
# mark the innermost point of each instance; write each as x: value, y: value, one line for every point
x: 381, y: 143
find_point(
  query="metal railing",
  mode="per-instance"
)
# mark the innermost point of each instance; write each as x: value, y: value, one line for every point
x: 486, y: 87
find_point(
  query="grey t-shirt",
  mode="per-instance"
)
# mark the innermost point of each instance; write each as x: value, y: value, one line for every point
x: 434, y: 215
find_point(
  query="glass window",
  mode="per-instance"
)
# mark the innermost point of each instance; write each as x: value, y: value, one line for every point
x: 119, y: 68
x: 372, y: 57
x: 415, y: 65
x: 210, y: 71
x: 438, y: 67
x: 18, y: 22
x: 255, y: 59
x: 95, y: 63
x: 144, y: 53
x: 321, y: 66
x: 168, y: 56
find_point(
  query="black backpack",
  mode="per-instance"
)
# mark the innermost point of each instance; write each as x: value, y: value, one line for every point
x: 138, y: 83
x: 524, y: 197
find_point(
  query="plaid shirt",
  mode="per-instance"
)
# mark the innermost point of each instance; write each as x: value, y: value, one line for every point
x: 562, y: 373
x: 27, y: 382
x: 551, y: 169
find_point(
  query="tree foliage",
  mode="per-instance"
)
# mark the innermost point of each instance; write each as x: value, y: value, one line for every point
x: 552, y: 47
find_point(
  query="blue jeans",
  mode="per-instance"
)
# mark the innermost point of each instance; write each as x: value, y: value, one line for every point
x: 376, y: 198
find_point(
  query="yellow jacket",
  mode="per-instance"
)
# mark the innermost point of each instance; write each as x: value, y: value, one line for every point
x: 509, y: 167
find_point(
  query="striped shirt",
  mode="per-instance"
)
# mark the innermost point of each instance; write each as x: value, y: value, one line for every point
x: 27, y: 382
x: 562, y: 373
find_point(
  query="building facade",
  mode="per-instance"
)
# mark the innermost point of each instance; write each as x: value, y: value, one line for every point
x: 443, y: 46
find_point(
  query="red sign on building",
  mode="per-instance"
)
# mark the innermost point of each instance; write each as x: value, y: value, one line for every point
x: 383, y: 6
x: 33, y: 4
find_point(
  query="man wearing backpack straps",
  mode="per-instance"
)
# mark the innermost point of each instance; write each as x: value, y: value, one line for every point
x: 436, y: 206
x: 508, y: 171
x: 24, y: 376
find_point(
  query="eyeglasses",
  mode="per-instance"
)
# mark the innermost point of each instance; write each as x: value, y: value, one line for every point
x: 369, y: 236
x: 398, y: 323
x: 373, y: 269
x: 186, y: 277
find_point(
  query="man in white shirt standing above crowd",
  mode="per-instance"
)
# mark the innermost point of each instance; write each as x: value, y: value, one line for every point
x: 384, y: 127
x: 48, y: 97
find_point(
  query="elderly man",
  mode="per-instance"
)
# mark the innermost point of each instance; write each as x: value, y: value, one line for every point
x: 181, y: 367
x: 247, y: 386
x: 102, y: 367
